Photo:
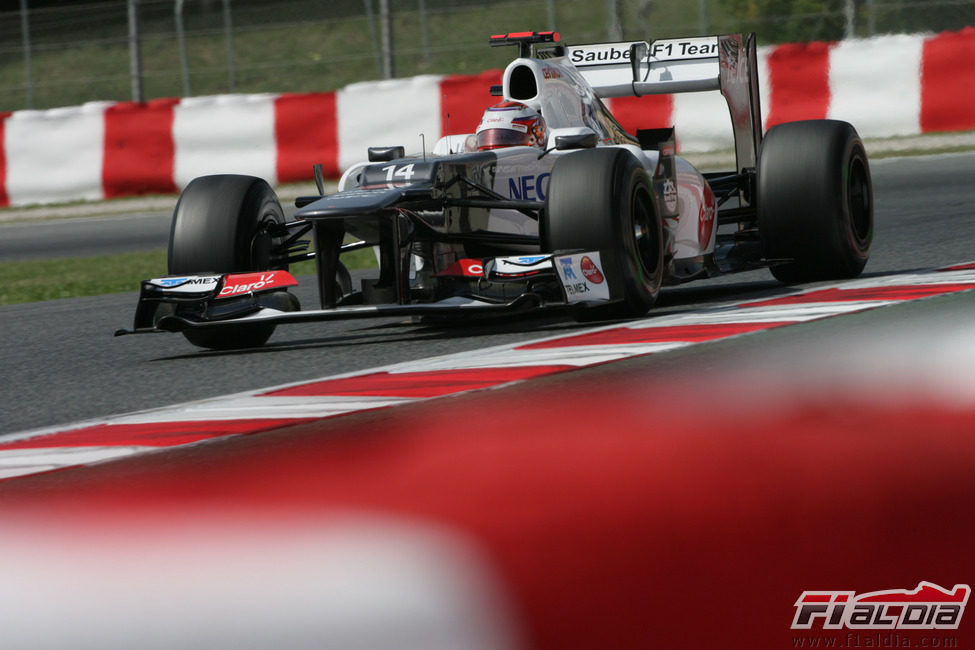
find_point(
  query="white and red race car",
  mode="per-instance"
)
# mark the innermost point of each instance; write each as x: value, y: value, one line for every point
x: 581, y: 215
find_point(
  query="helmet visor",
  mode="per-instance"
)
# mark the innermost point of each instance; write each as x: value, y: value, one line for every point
x: 495, y: 138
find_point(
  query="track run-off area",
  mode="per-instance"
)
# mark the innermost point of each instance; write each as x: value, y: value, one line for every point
x: 270, y: 408
x: 673, y: 481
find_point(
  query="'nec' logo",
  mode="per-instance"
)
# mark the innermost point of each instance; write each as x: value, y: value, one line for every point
x: 528, y: 188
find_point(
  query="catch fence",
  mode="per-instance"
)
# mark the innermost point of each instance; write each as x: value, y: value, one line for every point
x: 118, y: 50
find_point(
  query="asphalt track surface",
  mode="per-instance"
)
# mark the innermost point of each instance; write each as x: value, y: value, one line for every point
x: 84, y: 237
x: 62, y: 364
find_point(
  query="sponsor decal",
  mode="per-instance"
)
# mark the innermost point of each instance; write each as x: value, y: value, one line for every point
x: 590, y: 270
x: 171, y: 282
x: 576, y: 290
x: 705, y: 222
x: 467, y: 268
x: 525, y: 260
x: 928, y: 607
x: 186, y: 284
x: 566, y: 269
x: 670, y: 196
x: 602, y: 54
x: 522, y: 265
x: 582, y: 277
x: 684, y: 48
x: 730, y: 50
x: 357, y: 193
x: 552, y: 73
x: 733, y: 68
x: 242, y: 283
x: 530, y: 187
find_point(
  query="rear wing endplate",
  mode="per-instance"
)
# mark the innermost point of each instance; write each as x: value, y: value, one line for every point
x: 726, y: 63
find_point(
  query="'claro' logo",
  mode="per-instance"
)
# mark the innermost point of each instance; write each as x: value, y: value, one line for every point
x: 590, y: 270
x: 235, y: 285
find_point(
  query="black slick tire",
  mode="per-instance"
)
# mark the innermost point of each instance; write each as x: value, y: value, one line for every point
x: 815, y: 201
x: 602, y: 199
x: 220, y: 225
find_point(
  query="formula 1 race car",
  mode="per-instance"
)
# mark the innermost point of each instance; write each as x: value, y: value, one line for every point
x: 550, y: 204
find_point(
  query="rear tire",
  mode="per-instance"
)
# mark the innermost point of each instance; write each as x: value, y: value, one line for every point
x: 601, y: 199
x: 220, y: 225
x: 815, y: 201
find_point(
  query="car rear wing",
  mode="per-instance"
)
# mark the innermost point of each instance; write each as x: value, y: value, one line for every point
x: 725, y: 63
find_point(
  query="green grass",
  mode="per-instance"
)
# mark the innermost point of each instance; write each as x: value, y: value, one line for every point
x: 37, y: 280
x: 894, y: 153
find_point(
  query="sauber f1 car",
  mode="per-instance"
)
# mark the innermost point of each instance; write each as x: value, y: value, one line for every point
x: 550, y: 204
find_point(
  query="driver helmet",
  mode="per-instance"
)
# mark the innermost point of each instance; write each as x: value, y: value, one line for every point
x: 511, y: 124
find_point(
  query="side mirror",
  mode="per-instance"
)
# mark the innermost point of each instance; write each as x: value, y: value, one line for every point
x: 385, y: 154
x: 586, y: 140
x: 638, y: 54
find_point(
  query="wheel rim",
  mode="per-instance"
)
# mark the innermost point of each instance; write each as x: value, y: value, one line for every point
x: 260, y: 249
x: 644, y: 234
x: 263, y: 245
x: 858, y: 201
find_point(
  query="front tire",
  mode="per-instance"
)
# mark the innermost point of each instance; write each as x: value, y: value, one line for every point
x: 601, y: 199
x: 815, y: 201
x: 221, y: 225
